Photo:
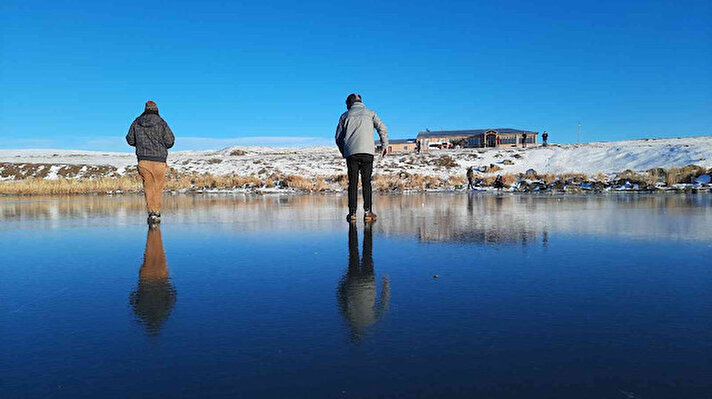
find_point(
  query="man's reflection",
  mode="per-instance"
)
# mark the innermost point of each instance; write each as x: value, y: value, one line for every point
x: 155, y: 296
x: 357, y: 289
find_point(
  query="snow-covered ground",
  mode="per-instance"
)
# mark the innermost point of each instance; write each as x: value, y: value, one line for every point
x: 589, y: 158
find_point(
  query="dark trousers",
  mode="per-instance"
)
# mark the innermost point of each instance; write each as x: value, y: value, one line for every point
x: 359, y: 164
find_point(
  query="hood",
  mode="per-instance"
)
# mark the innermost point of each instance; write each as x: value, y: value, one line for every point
x: 148, y: 120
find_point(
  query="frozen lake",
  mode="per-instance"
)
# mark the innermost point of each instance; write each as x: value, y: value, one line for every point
x: 277, y: 296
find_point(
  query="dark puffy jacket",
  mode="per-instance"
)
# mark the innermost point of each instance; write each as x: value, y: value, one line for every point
x: 151, y: 136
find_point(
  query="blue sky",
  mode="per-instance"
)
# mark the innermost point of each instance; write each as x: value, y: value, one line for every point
x: 75, y: 74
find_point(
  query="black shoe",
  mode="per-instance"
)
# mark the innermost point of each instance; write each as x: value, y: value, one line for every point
x: 369, y: 216
x: 351, y: 218
x: 153, y: 218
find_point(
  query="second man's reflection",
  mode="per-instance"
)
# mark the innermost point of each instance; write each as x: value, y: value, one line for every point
x: 356, y: 293
x: 154, y: 298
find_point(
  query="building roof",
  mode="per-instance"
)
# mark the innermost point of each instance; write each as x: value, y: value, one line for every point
x: 472, y: 132
x: 401, y: 141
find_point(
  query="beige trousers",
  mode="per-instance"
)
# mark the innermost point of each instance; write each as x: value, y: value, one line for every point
x: 154, y: 178
x: 154, y: 266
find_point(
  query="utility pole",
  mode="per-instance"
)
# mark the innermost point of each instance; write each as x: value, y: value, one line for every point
x: 578, y: 136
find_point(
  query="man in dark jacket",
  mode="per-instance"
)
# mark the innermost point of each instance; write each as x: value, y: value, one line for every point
x: 354, y: 137
x: 152, y: 137
x: 470, y: 178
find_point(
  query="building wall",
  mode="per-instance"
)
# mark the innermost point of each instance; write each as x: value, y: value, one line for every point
x: 426, y: 142
x: 507, y: 140
x: 406, y: 147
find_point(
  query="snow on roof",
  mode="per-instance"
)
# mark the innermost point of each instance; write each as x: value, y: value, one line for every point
x: 401, y: 141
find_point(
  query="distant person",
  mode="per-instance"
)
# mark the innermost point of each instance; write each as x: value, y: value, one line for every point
x: 524, y: 140
x: 499, y: 182
x: 154, y: 298
x: 152, y: 137
x: 357, y: 297
x: 545, y: 137
x: 499, y: 141
x: 417, y: 147
x: 470, y: 178
x: 354, y: 137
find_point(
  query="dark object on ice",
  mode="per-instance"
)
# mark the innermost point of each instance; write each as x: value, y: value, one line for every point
x: 703, y: 179
x: 153, y: 218
x: 436, y: 276
x: 507, y: 162
x: 530, y: 172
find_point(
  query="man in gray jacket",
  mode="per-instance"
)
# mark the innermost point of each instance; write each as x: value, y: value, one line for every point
x: 152, y: 137
x: 354, y: 137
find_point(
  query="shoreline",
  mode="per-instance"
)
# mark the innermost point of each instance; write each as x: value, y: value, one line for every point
x: 287, y: 192
x: 682, y: 164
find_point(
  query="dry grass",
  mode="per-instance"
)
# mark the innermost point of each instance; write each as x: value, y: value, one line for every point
x: 684, y: 174
x: 492, y: 168
x: 508, y: 179
x: 38, y: 186
x: 575, y: 177
x: 445, y: 161
x: 205, y: 181
x: 237, y: 153
x: 403, y: 181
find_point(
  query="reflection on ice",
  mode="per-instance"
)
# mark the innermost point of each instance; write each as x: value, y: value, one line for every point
x: 462, y: 217
x: 154, y: 298
x: 357, y: 289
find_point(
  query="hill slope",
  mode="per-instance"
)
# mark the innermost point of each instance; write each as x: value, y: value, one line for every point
x: 589, y: 158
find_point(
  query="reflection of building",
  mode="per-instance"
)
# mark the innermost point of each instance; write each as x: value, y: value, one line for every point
x: 356, y: 293
x: 477, y: 138
x: 429, y: 216
x: 155, y: 296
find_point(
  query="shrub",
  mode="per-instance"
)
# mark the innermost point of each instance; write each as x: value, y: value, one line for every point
x: 445, y: 161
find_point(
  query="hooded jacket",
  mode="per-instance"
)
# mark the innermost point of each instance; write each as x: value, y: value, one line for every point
x: 354, y: 134
x: 151, y: 136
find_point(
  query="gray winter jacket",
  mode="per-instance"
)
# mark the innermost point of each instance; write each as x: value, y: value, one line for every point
x: 151, y: 136
x: 354, y: 134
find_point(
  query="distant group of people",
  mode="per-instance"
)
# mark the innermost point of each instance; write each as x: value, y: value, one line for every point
x: 152, y: 137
